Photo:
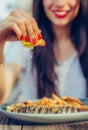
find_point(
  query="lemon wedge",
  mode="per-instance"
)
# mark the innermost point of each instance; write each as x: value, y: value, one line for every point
x: 31, y: 45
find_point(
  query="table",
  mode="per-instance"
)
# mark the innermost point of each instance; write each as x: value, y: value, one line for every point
x: 7, y: 123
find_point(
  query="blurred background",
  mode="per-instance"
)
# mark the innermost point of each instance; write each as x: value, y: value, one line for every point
x: 7, y: 5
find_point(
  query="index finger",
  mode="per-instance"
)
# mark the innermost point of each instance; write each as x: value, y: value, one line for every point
x: 36, y: 28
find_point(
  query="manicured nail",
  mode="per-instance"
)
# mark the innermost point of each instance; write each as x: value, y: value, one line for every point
x: 43, y: 43
x: 21, y: 37
x: 27, y: 39
x: 34, y: 41
x: 39, y: 36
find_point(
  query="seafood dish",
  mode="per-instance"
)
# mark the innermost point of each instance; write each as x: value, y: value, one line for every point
x: 54, y: 105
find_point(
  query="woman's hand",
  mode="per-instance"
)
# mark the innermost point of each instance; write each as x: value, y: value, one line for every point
x: 20, y: 26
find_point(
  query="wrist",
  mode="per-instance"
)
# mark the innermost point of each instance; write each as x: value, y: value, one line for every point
x: 1, y: 42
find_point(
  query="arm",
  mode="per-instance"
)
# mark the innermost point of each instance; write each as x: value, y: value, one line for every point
x: 1, y: 53
x: 9, y: 73
x: 17, y: 26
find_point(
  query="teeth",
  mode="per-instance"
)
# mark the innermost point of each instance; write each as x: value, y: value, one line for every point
x: 60, y: 13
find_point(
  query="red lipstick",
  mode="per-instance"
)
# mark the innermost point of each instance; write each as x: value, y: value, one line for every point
x: 61, y: 14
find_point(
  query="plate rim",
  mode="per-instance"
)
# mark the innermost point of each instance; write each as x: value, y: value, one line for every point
x: 52, y: 118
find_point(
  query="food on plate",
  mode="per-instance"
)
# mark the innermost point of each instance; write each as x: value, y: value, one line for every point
x: 36, y: 109
x: 82, y: 108
x: 69, y: 99
x: 54, y: 105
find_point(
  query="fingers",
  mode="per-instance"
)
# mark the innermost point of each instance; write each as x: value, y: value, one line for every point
x: 30, y: 31
x: 24, y: 26
x: 23, y: 31
x: 19, y: 26
x: 16, y: 29
x: 33, y: 31
x: 7, y: 27
x: 29, y: 27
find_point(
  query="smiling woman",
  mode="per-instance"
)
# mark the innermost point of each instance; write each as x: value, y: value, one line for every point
x: 61, y: 12
x: 60, y: 67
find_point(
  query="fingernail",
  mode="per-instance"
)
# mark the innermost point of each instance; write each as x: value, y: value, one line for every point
x: 27, y: 39
x: 39, y: 36
x: 34, y: 41
x: 21, y: 37
x: 43, y: 43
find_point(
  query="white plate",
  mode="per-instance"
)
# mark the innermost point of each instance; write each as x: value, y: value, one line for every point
x: 47, y: 118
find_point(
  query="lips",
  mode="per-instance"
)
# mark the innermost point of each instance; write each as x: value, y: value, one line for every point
x: 60, y: 14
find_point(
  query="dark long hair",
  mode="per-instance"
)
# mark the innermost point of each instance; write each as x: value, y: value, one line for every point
x: 43, y: 57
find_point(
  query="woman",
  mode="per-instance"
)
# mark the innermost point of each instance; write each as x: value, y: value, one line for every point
x: 59, y: 67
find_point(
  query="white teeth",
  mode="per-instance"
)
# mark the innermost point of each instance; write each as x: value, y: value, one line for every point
x: 60, y: 13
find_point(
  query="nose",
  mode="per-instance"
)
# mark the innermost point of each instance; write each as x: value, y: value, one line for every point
x: 60, y: 3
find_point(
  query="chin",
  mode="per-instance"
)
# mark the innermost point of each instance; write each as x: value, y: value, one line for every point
x: 61, y: 24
